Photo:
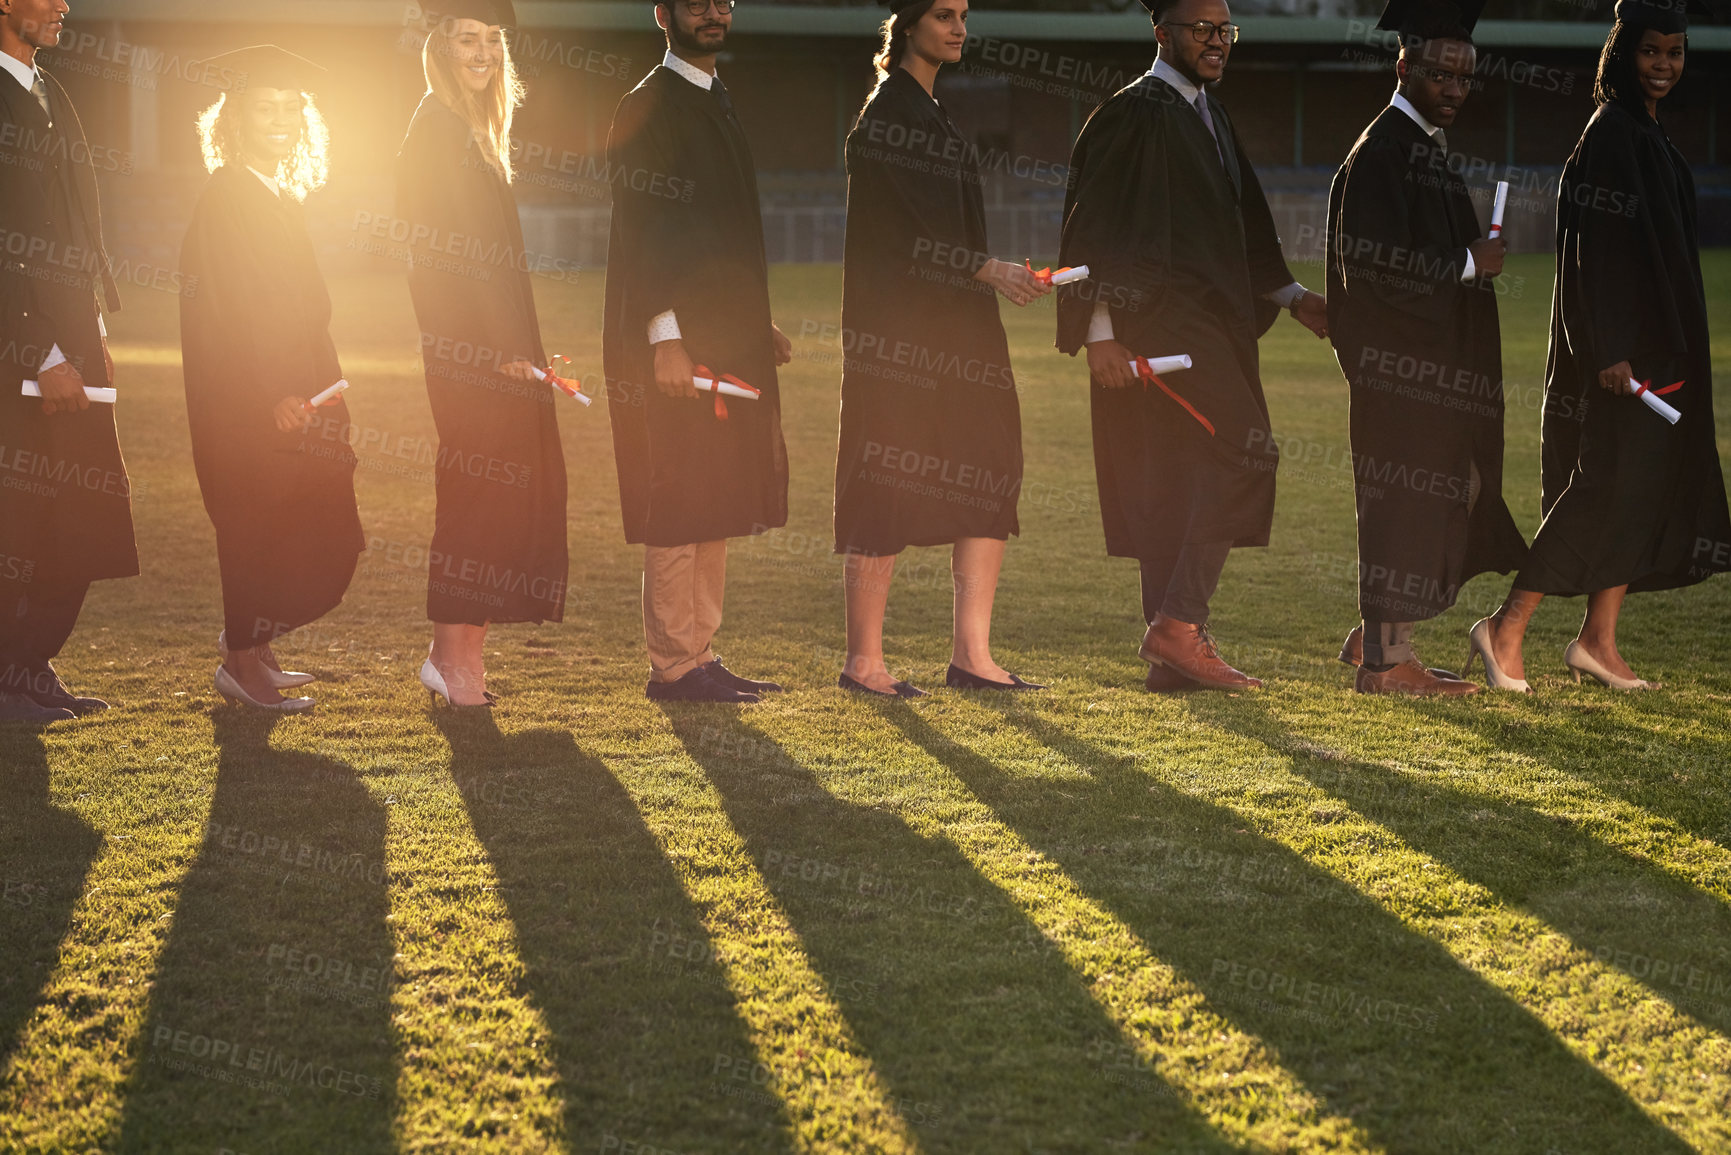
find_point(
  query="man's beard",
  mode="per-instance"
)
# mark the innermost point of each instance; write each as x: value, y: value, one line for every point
x: 690, y: 42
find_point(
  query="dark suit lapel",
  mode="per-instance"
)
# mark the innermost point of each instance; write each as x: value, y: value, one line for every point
x: 81, y: 179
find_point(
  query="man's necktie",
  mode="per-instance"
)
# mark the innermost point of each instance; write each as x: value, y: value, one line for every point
x: 1441, y: 139
x: 39, y: 89
x: 719, y: 91
x: 1208, y: 123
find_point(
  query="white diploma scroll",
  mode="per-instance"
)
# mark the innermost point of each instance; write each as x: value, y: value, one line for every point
x: 565, y: 387
x: 1656, y: 403
x: 1065, y: 276
x: 1497, y: 206
x: 97, y: 393
x: 330, y: 394
x: 725, y: 388
x: 1161, y: 364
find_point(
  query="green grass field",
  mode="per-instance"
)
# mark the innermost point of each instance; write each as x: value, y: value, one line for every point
x: 1089, y: 920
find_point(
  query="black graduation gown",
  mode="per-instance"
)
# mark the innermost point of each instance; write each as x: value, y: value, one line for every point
x: 1181, y: 246
x: 1422, y: 354
x: 499, y: 549
x: 931, y: 429
x: 687, y: 235
x: 1628, y: 498
x: 65, y: 499
x: 254, y: 329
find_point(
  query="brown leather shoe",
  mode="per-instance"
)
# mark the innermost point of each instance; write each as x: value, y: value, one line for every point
x: 1190, y: 650
x: 1411, y: 679
x: 1352, y: 654
x: 1166, y: 680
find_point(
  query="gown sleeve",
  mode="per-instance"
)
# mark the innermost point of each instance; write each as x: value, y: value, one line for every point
x: 1375, y: 230
x: 1615, y: 257
x: 666, y: 236
x: 1119, y: 220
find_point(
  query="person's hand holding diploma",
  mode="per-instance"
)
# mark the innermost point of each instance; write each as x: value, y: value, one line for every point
x: 783, y: 347
x: 1015, y: 282
x: 674, y: 369
x: 1109, y: 364
x: 1488, y: 254
x: 1619, y: 378
x: 62, y: 389
x: 291, y: 415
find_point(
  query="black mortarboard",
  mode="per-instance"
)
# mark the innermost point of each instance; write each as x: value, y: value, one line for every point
x: 897, y: 5
x: 1431, y: 19
x: 500, y: 12
x: 1663, y: 16
x: 267, y: 66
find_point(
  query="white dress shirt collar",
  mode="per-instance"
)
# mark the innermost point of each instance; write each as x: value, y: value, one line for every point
x: 1405, y: 106
x: 270, y: 182
x: 20, y: 71
x: 1164, y: 71
x: 691, y: 72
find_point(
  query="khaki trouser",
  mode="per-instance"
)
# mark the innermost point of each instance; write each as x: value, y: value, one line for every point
x: 682, y: 591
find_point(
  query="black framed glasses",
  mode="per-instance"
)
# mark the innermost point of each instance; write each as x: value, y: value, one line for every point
x: 699, y: 7
x: 1204, y: 31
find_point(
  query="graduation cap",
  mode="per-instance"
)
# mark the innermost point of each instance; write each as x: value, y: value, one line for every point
x: 896, y: 6
x: 267, y: 66
x: 1663, y: 16
x: 1433, y: 19
x: 489, y: 12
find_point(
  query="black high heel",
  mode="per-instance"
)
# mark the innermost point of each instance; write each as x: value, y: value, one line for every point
x: 899, y: 690
x: 957, y: 678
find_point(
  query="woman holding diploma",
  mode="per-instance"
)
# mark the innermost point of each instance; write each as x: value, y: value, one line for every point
x: 498, y: 551
x: 1631, y: 501
x: 277, y: 475
x: 931, y: 432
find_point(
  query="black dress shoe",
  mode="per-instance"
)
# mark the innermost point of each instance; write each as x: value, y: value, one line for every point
x: 60, y: 698
x: 898, y: 690
x: 18, y: 708
x: 697, y: 686
x: 733, y: 681
x: 957, y: 678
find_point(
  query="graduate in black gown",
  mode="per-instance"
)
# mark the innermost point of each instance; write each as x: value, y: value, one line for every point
x: 931, y: 429
x: 498, y: 552
x: 1166, y: 211
x: 277, y: 474
x: 1631, y: 502
x: 65, y: 501
x: 688, y: 285
x: 1412, y: 312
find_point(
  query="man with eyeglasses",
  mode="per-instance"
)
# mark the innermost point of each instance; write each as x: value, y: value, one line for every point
x: 1166, y: 211
x: 688, y: 285
x: 1413, y: 317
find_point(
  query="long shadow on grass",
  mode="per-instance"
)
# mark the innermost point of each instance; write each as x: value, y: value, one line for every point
x: 269, y: 1026
x: 987, y: 1038
x: 45, y: 855
x: 614, y: 955
x: 1674, y: 769
x: 1627, y: 912
x: 1381, y: 1023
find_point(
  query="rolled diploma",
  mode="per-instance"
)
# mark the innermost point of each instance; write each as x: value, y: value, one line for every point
x: 725, y: 388
x: 1658, y: 404
x: 327, y: 395
x: 1497, y: 206
x: 95, y: 393
x: 1165, y: 364
x: 540, y: 375
x: 1065, y: 276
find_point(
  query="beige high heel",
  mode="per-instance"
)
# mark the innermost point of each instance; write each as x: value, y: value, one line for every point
x: 1479, y: 637
x: 1576, y: 657
x: 237, y: 695
x: 279, y: 679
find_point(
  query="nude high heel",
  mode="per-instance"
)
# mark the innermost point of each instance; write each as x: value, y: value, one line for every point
x: 1576, y: 657
x: 237, y: 695
x: 279, y: 679
x: 437, y: 690
x: 1479, y: 637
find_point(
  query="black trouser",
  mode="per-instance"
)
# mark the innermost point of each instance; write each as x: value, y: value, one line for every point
x: 34, y: 624
x: 1180, y: 585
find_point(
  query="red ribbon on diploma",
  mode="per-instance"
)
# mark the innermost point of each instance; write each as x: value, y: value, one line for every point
x: 1045, y: 275
x: 1146, y: 372
x: 720, y: 405
x: 569, y: 388
x: 1645, y: 388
